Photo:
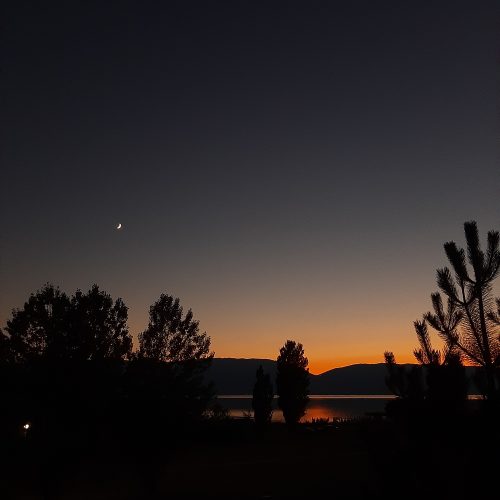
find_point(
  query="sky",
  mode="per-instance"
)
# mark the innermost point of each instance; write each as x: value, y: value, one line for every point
x: 288, y: 169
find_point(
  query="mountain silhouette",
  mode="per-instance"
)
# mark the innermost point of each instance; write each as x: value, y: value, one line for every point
x: 237, y: 375
x: 232, y: 376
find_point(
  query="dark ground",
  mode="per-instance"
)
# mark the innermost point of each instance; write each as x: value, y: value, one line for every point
x: 230, y: 459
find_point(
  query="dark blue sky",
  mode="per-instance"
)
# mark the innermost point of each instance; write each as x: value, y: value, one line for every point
x: 288, y: 169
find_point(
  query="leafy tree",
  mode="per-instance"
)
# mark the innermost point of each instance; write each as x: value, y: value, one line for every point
x: 173, y: 355
x: 470, y: 324
x: 292, y: 381
x: 53, y: 326
x: 6, y: 354
x: 64, y: 357
x: 171, y: 336
x: 41, y: 327
x: 98, y: 326
x: 262, y: 400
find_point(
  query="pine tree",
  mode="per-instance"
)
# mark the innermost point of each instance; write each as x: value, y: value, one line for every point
x: 469, y: 325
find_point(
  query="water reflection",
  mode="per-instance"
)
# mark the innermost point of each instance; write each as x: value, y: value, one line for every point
x: 330, y: 407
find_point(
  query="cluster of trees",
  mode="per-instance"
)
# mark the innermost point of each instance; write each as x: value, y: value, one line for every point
x: 54, y: 326
x: 466, y: 318
x: 77, y: 351
x: 92, y: 326
x: 62, y: 354
x: 292, y: 382
x: 73, y: 355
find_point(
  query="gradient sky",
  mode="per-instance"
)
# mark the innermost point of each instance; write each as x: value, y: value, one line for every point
x: 290, y: 170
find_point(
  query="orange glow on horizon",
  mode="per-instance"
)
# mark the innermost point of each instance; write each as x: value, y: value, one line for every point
x: 318, y: 366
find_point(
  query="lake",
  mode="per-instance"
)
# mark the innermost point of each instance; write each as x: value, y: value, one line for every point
x: 333, y: 407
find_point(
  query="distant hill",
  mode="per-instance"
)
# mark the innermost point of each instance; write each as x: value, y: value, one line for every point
x: 353, y: 379
x: 237, y: 376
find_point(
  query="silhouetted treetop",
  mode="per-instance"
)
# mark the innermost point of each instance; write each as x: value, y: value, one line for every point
x: 292, y: 381
x: 473, y: 331
x: 40, y: 327
x: 468, y: 324
x: 292, y: 354
x: 396, y: 379
x: 445, y: 322
x: 99, y: 326
x: 54, y: 326
x: 470, y: 292
x: 171, y: 335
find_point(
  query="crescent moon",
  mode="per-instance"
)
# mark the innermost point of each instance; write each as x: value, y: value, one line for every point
x: 119, y: 226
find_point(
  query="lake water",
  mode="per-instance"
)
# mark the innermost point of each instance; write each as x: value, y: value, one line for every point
x: 333, y: 407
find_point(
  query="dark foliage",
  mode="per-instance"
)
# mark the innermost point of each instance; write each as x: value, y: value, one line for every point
x: 262, y: 400
x: 446, y: 385
x: 165, y: 396
x: 440, y: 386
x: 99, y: 326
x: 468, y: 325
x: 405, y: 383
x: 445, y: 379
x: 67, y: 370
x: 292, y: 382
x: 171, y: 336
x: 172, y: 359
x: 40, y: 328
x: 471, y: 325
x: 53, y: 326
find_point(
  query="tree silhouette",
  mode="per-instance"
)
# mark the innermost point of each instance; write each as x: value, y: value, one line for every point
x: 171, y: 361
x: 64, y: 356
x: 292, y: 381
x: 262, y: 400
x: 6, y: 353
x: 395, y: 379
x: 470, y: 324
x: 41, y: 327
x: 55, y: 327
x: 403, y: 383
x: 170, y: 336
x: 98, y: 326
x: 446, y: 383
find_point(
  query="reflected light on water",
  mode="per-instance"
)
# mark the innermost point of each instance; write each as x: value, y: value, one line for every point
x: 329, y: 407
x: 324, y: 412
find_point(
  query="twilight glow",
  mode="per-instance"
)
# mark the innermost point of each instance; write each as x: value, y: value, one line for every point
x: 287, y: 180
